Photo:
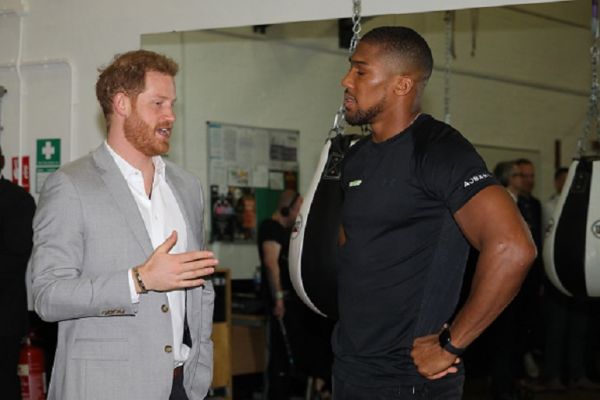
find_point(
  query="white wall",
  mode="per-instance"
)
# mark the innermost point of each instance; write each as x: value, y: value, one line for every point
x: 86, y: 34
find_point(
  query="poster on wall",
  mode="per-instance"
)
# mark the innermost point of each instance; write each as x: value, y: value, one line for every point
x: 248, y: 168
x: 233, y: 213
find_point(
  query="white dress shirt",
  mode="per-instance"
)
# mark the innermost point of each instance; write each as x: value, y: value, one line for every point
x: 161, y: 215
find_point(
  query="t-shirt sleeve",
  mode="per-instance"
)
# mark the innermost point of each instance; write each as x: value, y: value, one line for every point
x: 453, y: 171
x: 270, y: 232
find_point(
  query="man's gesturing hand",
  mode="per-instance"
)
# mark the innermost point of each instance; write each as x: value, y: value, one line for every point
x: 163, y: 272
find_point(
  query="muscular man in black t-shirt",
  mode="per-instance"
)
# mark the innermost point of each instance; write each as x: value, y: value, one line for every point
x: 415, y: 195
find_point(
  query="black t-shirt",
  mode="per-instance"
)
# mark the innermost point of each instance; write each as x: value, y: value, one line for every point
x: 401, y: 268
x: 271, y: 230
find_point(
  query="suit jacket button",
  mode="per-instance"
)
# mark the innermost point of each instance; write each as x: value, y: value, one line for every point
x: 164, y: 308
x: 168, y: 349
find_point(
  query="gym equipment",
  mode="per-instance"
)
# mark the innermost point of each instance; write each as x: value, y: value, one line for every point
x: 572, y: 245
x: 315, y: 234
x: 312, y: 256
x: 449, y: 55
x: 2, y: 93
x: 288, y: 346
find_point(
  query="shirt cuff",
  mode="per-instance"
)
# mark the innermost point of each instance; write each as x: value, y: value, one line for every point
x: 135, y: 297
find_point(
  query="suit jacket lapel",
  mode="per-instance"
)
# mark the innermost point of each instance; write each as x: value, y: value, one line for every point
x: 119, y: 190
x: 185, y: 205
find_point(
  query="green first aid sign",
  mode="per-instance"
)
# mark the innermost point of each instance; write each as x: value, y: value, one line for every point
x: 47, y: 160
x: 48, y: 153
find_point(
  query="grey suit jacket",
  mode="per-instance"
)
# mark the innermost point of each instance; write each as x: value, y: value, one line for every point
x: 88, y: 233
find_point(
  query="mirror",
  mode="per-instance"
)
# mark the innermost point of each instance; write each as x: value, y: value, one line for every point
x: 502, y: 92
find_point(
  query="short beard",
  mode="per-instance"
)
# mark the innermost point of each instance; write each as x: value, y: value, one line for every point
x: 364, y: 117
x: 141, y: 136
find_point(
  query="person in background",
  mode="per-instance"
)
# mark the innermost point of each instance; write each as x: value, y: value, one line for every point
x: 503, y: 339
x: 283, y: 305
x: 416, y: 194
x: 530, y: 206
x: 298, y: 338
x: 560, y: 177
x: 16, y: 214
x: 531, y: 321
x: 117, y: 256
x: 509, y: 176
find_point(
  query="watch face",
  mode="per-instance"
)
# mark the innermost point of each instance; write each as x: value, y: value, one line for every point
x: 444, y: 337
x: 446, y: 342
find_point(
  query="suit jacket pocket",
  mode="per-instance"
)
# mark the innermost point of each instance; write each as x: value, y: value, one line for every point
x: 104, y: 369
x: 101, y: 349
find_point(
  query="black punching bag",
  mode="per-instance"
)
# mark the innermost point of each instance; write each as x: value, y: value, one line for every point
x: 315, y: 234
x: 572, y: 244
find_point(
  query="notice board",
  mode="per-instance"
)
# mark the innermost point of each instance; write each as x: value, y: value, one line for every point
x: 248, y: 168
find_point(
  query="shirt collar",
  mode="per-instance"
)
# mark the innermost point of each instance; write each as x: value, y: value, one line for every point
x: 129, y: 170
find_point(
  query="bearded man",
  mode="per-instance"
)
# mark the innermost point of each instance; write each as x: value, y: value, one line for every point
x: 117, y: 257
x: 416, y: 195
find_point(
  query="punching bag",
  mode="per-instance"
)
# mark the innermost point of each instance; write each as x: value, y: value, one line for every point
x: 315, y: 234
x: 572, y: 245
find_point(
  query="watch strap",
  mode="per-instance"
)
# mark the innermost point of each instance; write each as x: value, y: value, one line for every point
x: 446, y: 342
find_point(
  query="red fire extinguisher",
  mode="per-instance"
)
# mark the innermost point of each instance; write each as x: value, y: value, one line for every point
x: 32, y: 371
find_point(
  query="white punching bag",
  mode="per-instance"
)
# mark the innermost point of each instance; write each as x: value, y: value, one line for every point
x: 315, y: 235
x: 572, y: 244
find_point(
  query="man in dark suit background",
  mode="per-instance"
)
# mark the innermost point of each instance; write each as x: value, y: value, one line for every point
x: 530, y: 206
x: 531, y: 337
x: 16, y: 214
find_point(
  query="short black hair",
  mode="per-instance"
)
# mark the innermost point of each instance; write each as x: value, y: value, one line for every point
x: 406, y: 44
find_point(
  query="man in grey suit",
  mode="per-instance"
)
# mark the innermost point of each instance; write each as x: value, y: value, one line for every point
x: 117, y: 257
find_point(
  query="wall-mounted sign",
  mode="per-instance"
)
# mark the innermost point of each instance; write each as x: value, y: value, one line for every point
x: 24, y: 172
x: 47, y: 160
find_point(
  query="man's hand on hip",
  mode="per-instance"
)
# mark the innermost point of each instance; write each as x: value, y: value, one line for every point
x: 432, y: 361
x: 163, y: 272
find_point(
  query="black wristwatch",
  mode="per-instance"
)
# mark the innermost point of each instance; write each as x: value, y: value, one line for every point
x: 446, y: 342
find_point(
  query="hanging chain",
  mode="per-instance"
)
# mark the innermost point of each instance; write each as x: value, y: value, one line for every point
x: 450, y: 54
x: 474, y: 29
x: 339, y: 121
x: 592, y: 112
x: 355, y: 25
x: 2, y: 93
